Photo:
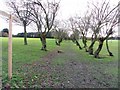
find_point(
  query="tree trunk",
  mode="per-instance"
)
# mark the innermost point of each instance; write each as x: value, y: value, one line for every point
x: 73, y: 40
x: 84, y: 40
x: 93, y: 39
x: 43, y: 41
x: 59, y: 41
x: 77, y: 43
x: 110, y: 53
x: 56, y: 41
x: 96, y: 54
x: 25, y: 34
x: 90, y: 50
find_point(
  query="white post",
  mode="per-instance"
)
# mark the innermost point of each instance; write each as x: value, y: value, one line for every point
x: 10, y: 49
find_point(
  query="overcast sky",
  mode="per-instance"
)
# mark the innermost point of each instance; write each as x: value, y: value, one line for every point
x: 67, y: 8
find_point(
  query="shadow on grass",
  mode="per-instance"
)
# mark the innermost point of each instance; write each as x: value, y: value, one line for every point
x: 104, y: 57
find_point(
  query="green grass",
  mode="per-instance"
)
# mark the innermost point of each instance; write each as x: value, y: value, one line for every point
x: 23, y: 54
x: 67, y: 46
x: 27, y: 54
x: 82, y: 56
x: 113, y: 44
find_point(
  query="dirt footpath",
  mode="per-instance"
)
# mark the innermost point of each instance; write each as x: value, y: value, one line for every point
x: 72, y: 73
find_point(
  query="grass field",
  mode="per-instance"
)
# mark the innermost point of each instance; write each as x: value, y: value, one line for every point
x: 24, y: 54
x: 24, y: 72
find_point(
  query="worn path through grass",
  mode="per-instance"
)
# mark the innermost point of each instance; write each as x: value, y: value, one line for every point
x: 71, y: 69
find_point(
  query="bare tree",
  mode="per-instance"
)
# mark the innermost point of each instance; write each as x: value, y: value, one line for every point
x: 57, y: 32
x: 95, y: 27
x: 76, y: 33
x: 105, y: 19
x: 83, y: 24
x: 21, y: 10
x: 60, y: 31
x: 43, y: 14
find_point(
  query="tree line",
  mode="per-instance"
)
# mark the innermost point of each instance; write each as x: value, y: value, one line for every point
x: 99, y: 21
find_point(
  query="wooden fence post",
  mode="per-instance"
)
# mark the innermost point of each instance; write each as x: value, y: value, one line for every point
x: 10, y: 49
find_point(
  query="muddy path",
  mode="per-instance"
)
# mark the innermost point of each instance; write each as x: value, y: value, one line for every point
x: 67, y: 70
